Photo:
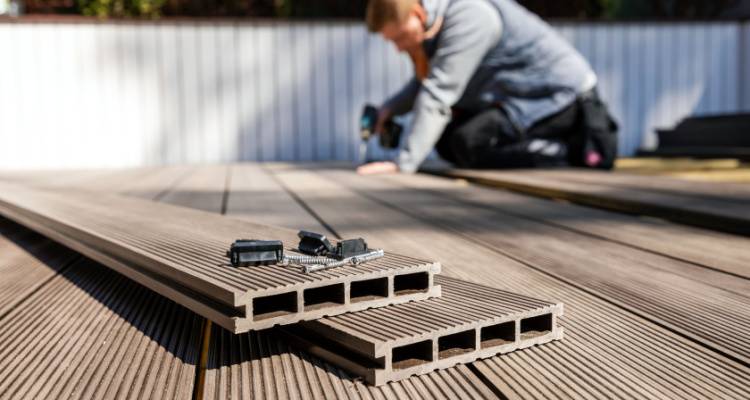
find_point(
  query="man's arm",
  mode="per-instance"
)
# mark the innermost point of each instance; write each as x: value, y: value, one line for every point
x: 403, y: 101
x: 470, y: 30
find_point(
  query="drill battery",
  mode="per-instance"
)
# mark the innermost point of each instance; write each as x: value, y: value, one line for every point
x: 391, y: 135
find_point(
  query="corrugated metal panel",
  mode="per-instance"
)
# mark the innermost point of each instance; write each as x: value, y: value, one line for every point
x: 91, y: 333
x: 210, y: 92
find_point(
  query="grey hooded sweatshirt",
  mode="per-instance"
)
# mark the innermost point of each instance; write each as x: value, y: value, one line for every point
x: 488, y: 52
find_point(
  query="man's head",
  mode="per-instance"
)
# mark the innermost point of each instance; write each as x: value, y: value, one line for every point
x: 400, y: 21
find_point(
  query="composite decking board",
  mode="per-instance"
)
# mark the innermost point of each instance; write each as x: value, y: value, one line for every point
x: 91, y: 333
x: 607, y: 352
x: 468, y: 322
x: 187, y: 247
x: 260, y: 365
x: 27, y: 261
x: 728, y: 215
x: 641, y: 282
x: 257, y: 365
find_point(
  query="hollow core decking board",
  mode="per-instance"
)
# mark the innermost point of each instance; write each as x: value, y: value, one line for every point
x: 728, y: 215
x: 641, y: 282
x: 186, y: 247
x: 257, y: 365
x: 90, y: 333
x: 607, y: 351
x: 260, y: 365
x: 468, y: 322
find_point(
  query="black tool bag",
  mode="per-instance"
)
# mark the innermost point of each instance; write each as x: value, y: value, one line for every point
x: 594, y: 144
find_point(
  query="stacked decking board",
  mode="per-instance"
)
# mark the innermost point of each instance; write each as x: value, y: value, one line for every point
x: 145, y: 242
x: 262, y: 365
x: 468, y: 322
x: 180, y: 253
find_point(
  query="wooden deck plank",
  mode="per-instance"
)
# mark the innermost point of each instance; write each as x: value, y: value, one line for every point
x: 609, y: 344
x: 722, y: 207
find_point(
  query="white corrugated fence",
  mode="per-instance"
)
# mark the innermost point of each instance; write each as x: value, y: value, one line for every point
x: 103, y: 94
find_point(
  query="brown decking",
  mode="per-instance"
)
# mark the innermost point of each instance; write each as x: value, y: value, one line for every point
x: 468, y: 322
x: 180, y: 253
x: 723, y: 206
x: 643, y: 318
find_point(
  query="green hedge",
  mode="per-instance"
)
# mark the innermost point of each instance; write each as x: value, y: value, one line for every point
x: 584, y: 9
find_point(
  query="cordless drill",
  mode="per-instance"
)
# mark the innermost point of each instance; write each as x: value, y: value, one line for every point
x: 389, y: 138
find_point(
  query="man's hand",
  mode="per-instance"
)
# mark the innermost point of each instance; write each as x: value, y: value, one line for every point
x: 378, y: 168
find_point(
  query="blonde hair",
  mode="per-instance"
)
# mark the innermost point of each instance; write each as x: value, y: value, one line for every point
x: 382, y: 12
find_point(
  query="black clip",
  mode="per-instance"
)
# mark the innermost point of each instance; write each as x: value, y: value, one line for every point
x: 350, y: 248
x: 314, y: 244
x: 246, y: 252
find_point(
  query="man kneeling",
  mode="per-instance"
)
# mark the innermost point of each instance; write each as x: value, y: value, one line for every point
x: 494, y: 87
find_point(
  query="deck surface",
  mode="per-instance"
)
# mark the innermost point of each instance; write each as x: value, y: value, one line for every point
x: 653, y: 309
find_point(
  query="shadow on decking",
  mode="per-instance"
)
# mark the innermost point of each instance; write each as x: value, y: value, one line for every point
x: 279, y: 359
x: 170, y: 326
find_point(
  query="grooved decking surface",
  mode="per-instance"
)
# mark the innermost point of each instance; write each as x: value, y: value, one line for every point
x: 22, y: 274
x: 90, y: 333
x: 468, y: 322
x: 186, y: 248
x: 260, y: 365
x: 618, y: 343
